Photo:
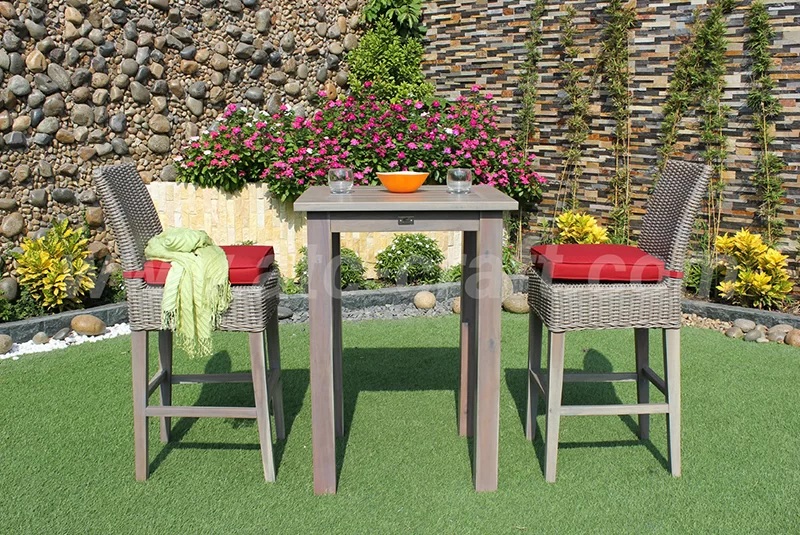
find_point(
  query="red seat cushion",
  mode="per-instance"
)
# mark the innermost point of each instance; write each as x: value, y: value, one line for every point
x: 598, y: 263
x: 246, y: 263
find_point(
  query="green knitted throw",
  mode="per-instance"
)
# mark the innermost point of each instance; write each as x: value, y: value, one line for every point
x: 197, y: 291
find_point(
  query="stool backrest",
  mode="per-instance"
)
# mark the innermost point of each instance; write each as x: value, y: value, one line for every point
x: 671, y: 211
x: 130, y: 211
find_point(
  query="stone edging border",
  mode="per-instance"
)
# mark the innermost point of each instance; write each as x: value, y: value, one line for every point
x: 730, y: 313
x: 118, y: 313
x: 23, y: 330
x: 399, y: 295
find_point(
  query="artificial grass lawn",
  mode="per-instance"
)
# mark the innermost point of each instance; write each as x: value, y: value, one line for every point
x: 66, y: 443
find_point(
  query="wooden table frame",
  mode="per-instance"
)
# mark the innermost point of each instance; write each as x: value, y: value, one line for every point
x: 479, y: 215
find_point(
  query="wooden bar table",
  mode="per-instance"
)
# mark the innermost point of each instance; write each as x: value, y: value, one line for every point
x: 479, y: 215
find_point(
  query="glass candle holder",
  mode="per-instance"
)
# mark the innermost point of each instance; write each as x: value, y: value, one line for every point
x: 459, y: 180
x: 340, y: 180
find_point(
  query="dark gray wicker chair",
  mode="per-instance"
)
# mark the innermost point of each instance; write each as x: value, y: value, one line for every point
x: 132, y: 216
x: 570, y: 306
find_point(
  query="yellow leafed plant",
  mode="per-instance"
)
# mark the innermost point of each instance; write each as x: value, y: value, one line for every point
x: 578, y: 227
x: 54, y: 268
x: 762, y: 279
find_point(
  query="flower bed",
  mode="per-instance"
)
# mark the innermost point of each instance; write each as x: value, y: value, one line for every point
x: 291, y: 153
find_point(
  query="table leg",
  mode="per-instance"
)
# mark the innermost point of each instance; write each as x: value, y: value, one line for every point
x: 336, y: 294
x: 487, y: 424
x: 469, y: 312
x: 320, y: 323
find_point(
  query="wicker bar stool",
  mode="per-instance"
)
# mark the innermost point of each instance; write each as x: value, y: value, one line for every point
x: 133, y: 218
x: 644, y: 294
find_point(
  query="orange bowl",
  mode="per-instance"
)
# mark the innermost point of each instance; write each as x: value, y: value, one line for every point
x: 402, y: 181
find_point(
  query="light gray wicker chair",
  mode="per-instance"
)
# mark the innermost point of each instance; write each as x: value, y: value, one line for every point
x: 570, y: 306
x: 132, y: 216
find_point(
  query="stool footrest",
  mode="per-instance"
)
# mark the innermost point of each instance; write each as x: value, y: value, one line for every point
x: 205, y: 378
x: 201, y: 412
x: 612, y: 377
x: 613, y: 410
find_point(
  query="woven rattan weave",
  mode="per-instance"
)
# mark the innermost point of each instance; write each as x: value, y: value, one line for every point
x: 132, y: 216
x: 571, y: 306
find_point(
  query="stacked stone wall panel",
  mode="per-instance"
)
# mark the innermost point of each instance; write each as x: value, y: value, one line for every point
x: 484, y: 43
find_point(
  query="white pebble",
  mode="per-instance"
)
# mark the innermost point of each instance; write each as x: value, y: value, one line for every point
x: 25, y: 348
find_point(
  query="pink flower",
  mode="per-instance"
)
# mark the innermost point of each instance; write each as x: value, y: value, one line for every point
x: 367, y: 85
x: 475, y: 88
x: 488, y: 96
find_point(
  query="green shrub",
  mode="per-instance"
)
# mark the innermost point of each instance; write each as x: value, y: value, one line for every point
x: 578, y: 227
x: 452, y: 274
x: 511, y: 265
x: 352, y: 269
x: 370, y: 284
x: 404, y: 14
x: 750, y: 273
x: 411, y: 258
x: 385, y: 66
x: 115, y: 291
x: 55, y: 269
x: 24, y: 307
x: 762, y: 279
x: 288, y: 286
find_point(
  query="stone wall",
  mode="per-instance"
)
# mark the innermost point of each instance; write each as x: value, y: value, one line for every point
x: 253, y: 215
x: 483, y: 42
x: 85, y: 83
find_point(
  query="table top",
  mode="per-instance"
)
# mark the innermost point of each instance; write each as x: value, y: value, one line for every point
x: 425, y: 199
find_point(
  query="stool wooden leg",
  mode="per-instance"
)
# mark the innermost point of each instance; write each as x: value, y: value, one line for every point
x: 274, y: 353
x: 165, y: 388
x: 555, y: 382
x: 672, y: 372
x: 534, y: 366
x: 259, y: 367
x: 642, y: 382
x: 469, y: 335
x: 336, y: 297
x: 139, y: 375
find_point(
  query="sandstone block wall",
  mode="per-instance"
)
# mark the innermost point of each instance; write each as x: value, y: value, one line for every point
x: 253, y: 215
